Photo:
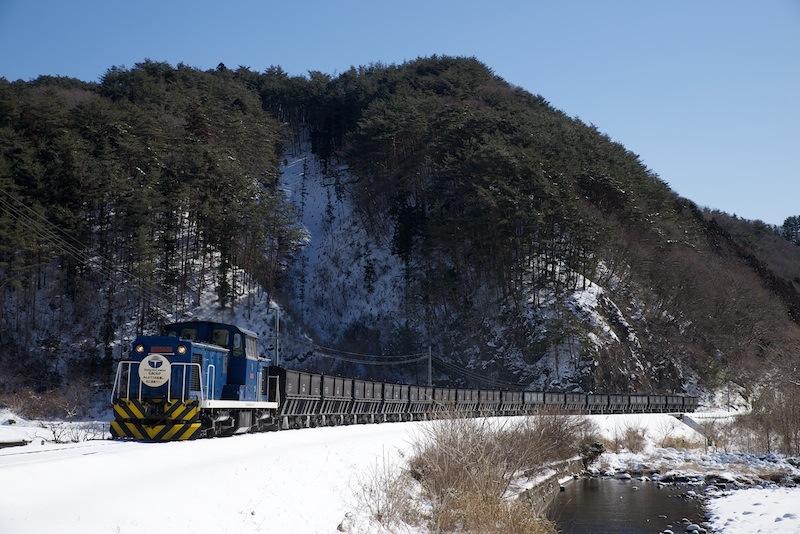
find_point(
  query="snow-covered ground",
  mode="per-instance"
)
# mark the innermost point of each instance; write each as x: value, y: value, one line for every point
x: 692, y: 460
x: 747, y: 511
x: 294, y: 481
x: 306, y: 480
x: 655, y: 426
x: 15, y: 429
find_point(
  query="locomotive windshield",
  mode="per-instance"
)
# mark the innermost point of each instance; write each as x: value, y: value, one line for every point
x: 219, y: 336
x: 189, y: 334
x: 239, y: 341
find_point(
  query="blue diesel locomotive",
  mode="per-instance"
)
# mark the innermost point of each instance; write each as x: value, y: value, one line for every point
x: 198, y: 378
x: 204, y: 379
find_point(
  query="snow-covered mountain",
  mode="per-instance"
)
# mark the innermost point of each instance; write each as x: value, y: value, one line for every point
x: 388, y: 210
x: 346, y: 288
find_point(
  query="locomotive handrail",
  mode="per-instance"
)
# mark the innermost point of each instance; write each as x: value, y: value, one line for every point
x: 212, y: 379
x: 116, y: 379
x: 130, y: 363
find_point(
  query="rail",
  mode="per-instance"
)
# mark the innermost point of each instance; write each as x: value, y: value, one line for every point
x: 127, y: 365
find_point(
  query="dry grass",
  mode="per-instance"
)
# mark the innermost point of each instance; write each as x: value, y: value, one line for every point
x: 677, y: 442
x: 630, y: 437
x: 65, y: 403
x: 666, y: 436
x: 482, y: 456
x: 73, y: 432
x: 462, y: 473
x: 387, y: 496
x: 471, y: 513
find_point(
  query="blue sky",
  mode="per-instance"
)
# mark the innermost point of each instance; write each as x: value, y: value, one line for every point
x: 705, y: 92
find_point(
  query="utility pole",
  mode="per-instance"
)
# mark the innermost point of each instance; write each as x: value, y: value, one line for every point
x: 430, y: 372
x: 277, y: 336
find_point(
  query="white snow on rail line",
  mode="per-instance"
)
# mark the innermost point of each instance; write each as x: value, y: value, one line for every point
x: 773, y: 510
x: 16, y: 429
x: 292, y: 481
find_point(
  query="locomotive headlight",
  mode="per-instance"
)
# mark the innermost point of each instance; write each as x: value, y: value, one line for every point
x: 181, y: 349
x: 139, y: 348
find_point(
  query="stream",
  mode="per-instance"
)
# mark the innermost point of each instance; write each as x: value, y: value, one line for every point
x: 607, y: 505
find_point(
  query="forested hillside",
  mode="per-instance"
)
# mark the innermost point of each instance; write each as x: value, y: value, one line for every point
x: 163, y: 181
x: 387, y: 209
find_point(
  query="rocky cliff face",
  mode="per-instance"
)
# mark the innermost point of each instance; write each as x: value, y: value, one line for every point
x: 347, y: 289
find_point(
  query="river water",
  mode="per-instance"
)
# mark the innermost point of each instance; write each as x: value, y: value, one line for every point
x: 607, y: 505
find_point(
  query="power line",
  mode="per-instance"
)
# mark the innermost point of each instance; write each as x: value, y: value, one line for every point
x: 363, y: 362
x: 74, y: 247
x: 494, y: 382
x: 43, y: 230
x: 379, y: 362
x: 350, y: 353
x: 76, y: 244
x: 68, y: 244
x: 396, y: 360
x: 477, y: 377
x: 469, y: 373
x: 64, y: 232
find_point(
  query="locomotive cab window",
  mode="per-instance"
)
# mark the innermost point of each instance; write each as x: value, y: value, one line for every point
x: 251, y: 347
x: 237, y: 345
x: 189, y: 334
x: 220, y: 337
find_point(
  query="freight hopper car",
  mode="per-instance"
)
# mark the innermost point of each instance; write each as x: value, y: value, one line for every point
x: 206, y: 379
x: 309, y: 399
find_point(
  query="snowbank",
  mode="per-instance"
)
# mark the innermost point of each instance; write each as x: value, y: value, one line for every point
x: 15, y: 429
x: 292, y: 481
x: 774, y: 510
x: 696, y: 464
x: 656, y: 427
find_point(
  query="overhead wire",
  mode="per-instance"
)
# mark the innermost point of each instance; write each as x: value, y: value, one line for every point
x: 68, y: 244
x: 367, y: 362
x: 399, y: 359
x: 76, y: 244
x: 469, y: 373
x: 41, y: 232
x: 350, y: 353
x: 44, y: 230
x: 501, y: 384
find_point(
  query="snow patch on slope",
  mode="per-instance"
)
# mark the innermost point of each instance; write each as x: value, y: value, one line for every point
x: 585, y: 322
x: 346, y: 273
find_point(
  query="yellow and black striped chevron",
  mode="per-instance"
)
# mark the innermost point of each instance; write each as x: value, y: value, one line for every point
x: 164, y: 432
x: 186, y: 411
x: 135, y: 410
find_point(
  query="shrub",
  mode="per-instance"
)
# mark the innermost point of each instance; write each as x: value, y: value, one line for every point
x: 386, y: 495
x: 67, y: 402
x: 630, y: 437
x: 677, y: 442
x: 467, y: 469
x: 463, y: 473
